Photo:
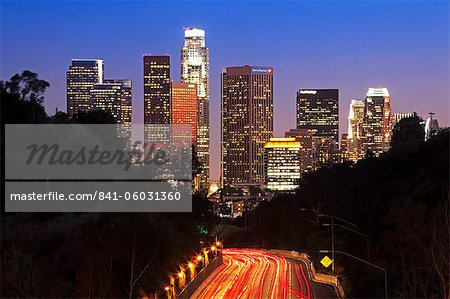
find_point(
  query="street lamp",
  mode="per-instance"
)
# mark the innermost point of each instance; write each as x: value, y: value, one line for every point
x: 331, y: 217
x: 199, y: 259
x: 352, y: 230
x: 366, y: 262
x: 191, y: 267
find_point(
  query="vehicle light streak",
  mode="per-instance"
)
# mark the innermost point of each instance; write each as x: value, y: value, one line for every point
x: 252, y: 273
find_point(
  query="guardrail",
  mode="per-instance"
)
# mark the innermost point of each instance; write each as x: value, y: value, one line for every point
x: 190, y: 288
x: 318, y: 277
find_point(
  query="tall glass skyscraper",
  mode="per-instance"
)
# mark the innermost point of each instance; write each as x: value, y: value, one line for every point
x: 378, y: 121
x: 318, y: 111
x: 81, y: 77
x: 195, y: 69
x: 157, y: 89
x: 184, y: 106
x: 247, y: 123
x: 355, y: 130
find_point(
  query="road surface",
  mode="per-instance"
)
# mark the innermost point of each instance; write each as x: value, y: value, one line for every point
x: 251, y: 273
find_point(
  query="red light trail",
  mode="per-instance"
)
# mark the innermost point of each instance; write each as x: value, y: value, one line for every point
x: 251, y: 273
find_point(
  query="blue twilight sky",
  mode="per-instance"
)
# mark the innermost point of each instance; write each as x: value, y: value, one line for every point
x: 350, y: 45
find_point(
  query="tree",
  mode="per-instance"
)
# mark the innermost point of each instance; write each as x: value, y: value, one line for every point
x: 60, y: 118
x: 27, y: 86
x: 407, y: 134
x: 22, y: 98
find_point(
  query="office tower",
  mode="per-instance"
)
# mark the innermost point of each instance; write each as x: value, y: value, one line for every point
x: 304, y: 136
x: 282, y: 159
x: 113, y: 96
x: 431, y: 126
x: 378, y: 121
x: 81, y: 77
x: 318, y: 111
x: 195, y: 69
x: 157, y: 89
x: 247, y: 122
x: 184, y: 107
x: 355, y: 150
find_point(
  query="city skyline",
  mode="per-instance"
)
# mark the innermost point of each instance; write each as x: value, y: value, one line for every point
x: 292, y: 73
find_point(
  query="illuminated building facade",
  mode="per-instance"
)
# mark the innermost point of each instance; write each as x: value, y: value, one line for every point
x: 195, y: 69
x: 318, y: 111
x: 304, y: 136
x: 282, y: 159
x: 114, y: 96
x: 247, y: 122
x: 431, y: 126
x: 355, y: 150
x: 343, y: 150
x: 378, y: 121
x: 81, y: 77
x: 184, y: 106
x: 157, y: 89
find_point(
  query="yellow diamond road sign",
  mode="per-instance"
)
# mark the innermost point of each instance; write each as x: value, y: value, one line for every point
x: 326, y: 261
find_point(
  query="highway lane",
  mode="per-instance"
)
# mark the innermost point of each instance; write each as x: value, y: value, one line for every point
x: 251, y: 273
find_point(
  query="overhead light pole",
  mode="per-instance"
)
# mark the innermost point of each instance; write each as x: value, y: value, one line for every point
x: 331, y: 217
x: 366, y: 262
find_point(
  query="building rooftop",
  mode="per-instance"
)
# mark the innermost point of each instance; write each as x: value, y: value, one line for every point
x: 377, y: 92
x: 193, y: 32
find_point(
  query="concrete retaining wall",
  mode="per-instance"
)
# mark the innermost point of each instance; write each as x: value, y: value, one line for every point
x: 318, y: 277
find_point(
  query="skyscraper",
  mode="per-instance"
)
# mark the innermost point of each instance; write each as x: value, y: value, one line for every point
x: 318, y: 111
x: 247, y: 122
x: 431, y: 126
x: 355, y: 130
x: 282, y: 158
x: 378, y: 121
x: 184, y: 106
x: 114, y: 96
x: 156, y: 89
x: 195, y: 69
x: 81, y: 77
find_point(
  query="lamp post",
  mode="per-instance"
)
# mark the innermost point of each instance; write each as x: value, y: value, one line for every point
x: 331, y: 217
x: 199, y: 259
x: 366, y: 262
x: 354, y: 231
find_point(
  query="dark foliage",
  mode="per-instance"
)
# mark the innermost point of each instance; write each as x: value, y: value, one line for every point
x: 401, y: 200
x: 408, y: 134
x: 88, y: 255
x: 93, y: 254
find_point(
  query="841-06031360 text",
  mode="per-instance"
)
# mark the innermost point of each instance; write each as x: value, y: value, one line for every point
x: 59, y: 196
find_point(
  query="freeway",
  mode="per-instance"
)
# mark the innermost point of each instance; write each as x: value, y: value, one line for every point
x: 251, y: 273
